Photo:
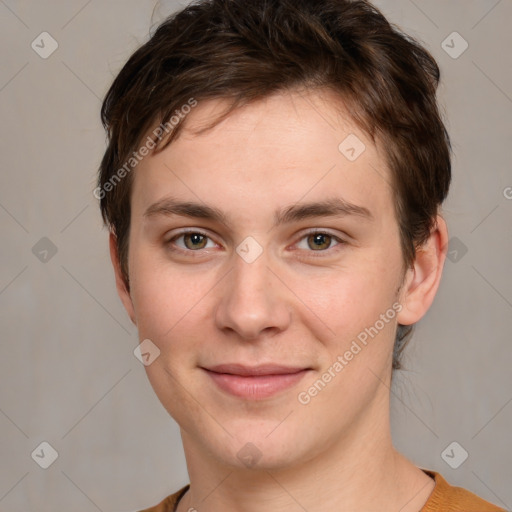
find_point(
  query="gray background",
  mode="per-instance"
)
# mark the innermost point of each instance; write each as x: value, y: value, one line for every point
x: 68, y: 373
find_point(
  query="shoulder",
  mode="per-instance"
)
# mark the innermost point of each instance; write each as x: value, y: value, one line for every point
x: 448, y: 498
x: 168, y: 504
x: 444, y: 498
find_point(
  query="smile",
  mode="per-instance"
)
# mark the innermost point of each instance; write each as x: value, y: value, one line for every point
x: 255, y: 383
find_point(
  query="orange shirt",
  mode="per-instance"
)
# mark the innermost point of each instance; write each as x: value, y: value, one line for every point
x: 444, y: 498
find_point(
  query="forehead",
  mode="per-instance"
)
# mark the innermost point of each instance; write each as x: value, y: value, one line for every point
x: 278, y: 150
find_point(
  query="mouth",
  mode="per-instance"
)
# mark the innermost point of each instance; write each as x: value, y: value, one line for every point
x: 256, y: 382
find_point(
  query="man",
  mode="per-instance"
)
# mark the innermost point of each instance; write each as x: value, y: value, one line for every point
x: 273, y: 184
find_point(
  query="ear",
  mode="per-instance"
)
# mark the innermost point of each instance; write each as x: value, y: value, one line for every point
x: 422, y: 280
x: 121, y: 285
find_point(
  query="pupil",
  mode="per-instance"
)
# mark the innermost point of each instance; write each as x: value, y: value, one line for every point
x: 321, y: 240
x: 195, y: 240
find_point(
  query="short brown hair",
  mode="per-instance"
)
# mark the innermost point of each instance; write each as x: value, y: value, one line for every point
x: 245, y: 50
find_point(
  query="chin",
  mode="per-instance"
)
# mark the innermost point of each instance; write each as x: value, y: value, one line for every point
x: 254, y: 449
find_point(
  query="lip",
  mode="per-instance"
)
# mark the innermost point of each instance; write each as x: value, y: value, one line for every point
x: 256, y: 382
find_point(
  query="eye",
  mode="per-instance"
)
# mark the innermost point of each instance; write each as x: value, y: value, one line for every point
x: 191, y: 241
x: 319, y: 241
x: 194, y: 241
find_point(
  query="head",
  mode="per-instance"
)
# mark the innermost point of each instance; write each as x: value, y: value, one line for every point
x: 300, y: 145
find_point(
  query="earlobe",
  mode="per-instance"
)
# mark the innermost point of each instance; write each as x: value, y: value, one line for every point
x: 422, y: 281
x: 121, y: 285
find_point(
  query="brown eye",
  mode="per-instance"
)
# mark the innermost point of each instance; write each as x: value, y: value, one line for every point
x: 319, y: 241
x: 195, y: 240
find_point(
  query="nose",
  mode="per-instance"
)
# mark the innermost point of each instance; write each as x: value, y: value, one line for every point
x: 252, y: 301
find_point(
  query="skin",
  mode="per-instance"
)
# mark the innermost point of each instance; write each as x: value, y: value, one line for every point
x: 296, y: 305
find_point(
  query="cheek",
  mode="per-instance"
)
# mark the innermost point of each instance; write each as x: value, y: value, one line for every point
x: 359, y: 306
x: 154, y: 297
x: 352, y: 296
x: 170, y: 303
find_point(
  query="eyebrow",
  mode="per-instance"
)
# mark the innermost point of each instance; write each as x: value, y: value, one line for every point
x: 335, y: 207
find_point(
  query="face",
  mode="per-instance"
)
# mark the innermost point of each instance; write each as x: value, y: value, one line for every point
x: 262, y: 246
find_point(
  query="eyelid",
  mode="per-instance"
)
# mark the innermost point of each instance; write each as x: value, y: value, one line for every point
x: 304, y: 234
x: 320, y: 231
x: 184, y: 231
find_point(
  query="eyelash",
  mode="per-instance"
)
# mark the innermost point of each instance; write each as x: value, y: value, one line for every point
x: 340, y: 241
